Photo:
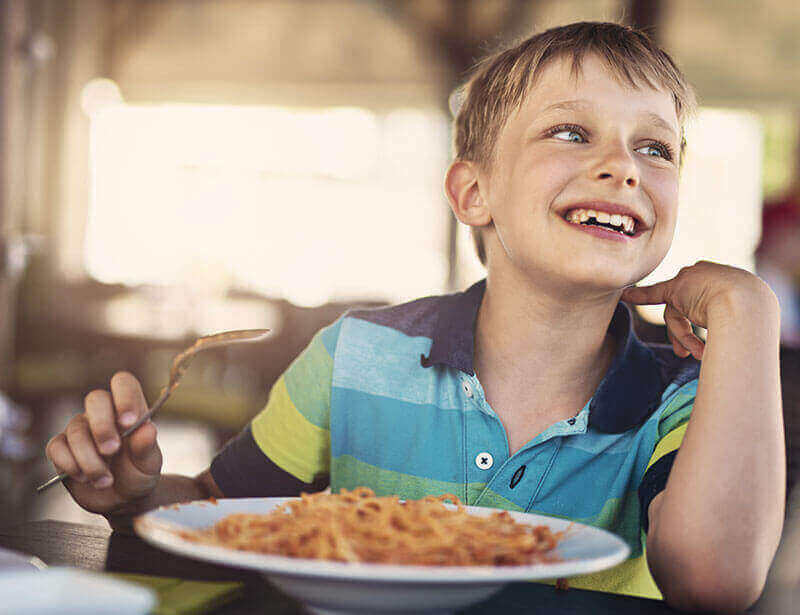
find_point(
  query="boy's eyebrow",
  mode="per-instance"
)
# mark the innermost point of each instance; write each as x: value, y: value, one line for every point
x: 578, y: 105
x: 657, y: 120
x: 568, y: 105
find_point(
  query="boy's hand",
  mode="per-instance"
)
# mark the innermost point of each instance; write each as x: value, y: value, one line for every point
x: 105, y: 472
x: 704, y: 294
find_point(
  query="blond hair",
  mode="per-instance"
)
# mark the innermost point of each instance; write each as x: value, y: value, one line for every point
x: 499, y: 82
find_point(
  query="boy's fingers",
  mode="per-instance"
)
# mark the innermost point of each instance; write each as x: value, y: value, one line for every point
x: 82, y: 447
x: 138, y: 468
x: 678, y: 323
x: 57, y: 451
x: 102, y: 421
x: 128, y: 398
x: 143, y: 449
x: 647, y: 295
x: 681, y: 329
x: 677, y: 347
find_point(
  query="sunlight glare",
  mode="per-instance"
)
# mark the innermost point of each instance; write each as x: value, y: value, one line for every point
x: 312, y: 205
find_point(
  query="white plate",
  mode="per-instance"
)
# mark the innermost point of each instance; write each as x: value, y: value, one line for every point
x: 71, y: 591
x: 338, y: 587
x: 14, y: 560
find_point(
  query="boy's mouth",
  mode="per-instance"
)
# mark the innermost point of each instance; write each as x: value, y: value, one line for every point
x: 619, y: 223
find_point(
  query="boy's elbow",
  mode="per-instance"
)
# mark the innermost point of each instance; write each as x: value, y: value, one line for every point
x: 707, y: 593
x: 698, y: 582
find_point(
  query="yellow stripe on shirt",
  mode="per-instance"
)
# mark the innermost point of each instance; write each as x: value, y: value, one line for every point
x: 667, y: 444
x: 291, y: 441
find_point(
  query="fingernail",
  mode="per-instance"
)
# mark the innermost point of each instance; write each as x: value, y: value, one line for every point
x: 108, y: 447
x: 103, y: 482
x: 128, y: 419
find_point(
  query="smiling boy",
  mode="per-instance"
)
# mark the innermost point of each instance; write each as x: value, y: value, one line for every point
x: 530, y: 391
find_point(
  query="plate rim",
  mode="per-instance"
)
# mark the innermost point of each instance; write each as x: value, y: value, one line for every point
x: 163, y: 534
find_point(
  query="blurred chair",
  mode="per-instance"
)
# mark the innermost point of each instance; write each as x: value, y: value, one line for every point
x: 790, y: 390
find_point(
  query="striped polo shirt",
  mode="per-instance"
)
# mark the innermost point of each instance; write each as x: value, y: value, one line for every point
x: 388, y: 398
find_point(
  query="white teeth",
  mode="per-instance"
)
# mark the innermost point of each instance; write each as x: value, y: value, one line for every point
x: 626, y: 223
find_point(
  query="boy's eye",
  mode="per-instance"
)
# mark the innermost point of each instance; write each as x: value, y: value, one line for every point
x: 571, y: 135
x: 656, y: 149
x: 567, y: 133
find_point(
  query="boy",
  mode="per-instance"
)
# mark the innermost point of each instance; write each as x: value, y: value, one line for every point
x: 529, y: 391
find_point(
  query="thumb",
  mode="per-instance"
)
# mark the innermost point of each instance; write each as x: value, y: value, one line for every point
x: 139, y: 461
x: 143, y: 449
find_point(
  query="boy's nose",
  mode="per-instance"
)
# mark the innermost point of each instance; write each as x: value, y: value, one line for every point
x: 617, y: 167
x: 629, y: 179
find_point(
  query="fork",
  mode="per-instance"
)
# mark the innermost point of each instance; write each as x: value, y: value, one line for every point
x: 179, y: 365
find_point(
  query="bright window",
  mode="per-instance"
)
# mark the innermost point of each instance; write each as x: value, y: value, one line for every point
x: 308, y: 204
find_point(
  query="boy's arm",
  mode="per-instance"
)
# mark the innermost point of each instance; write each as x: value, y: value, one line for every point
x: 171, y: 489
x: 716, y: 526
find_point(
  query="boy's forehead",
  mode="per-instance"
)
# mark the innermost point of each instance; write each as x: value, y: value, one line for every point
x: 595, y: 87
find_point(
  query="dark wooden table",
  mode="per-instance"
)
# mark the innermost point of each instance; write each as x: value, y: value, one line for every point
x: 100, y: 549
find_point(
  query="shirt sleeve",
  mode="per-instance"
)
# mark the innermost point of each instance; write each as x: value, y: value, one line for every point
x: 672, y: 424
x: 241, y: 470
x: 290, y: 437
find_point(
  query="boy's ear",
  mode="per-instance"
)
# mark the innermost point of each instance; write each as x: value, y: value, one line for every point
x: 464, y: 194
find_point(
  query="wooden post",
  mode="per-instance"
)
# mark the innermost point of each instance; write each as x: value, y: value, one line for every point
x: 645, y: 15
x: 12, y: 32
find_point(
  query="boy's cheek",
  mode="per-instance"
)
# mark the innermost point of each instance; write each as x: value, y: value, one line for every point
x: 664, y: 194
x: 659, y: 247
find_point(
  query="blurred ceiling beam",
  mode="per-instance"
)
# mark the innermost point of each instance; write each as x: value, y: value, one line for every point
x: 315, y: 52
x: 128, y: 21
x: 457, y: 30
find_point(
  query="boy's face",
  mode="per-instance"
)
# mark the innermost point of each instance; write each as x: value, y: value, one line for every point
x: 590, y: 143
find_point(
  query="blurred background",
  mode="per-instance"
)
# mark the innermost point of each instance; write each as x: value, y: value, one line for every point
x: 173, y: 168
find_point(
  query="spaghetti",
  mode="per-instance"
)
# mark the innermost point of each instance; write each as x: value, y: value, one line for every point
x: 358, y: 526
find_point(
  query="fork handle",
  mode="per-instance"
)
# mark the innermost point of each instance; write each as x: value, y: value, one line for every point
x: 53, y: 481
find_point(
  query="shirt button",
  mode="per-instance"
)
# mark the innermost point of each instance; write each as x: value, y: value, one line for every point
x: 467, y: 388
x: 571, y: 421
x: 484, y: 461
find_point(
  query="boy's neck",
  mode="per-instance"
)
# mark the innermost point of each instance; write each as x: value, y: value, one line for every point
x: 533, y: 342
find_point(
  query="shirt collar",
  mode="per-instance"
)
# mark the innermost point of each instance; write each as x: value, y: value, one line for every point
x: 627, y: 395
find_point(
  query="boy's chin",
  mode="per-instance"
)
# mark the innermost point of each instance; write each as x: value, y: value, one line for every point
x: 579, y: 283
x: 599, y: 274
x: 576, y: 277
x: 596, y: 276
